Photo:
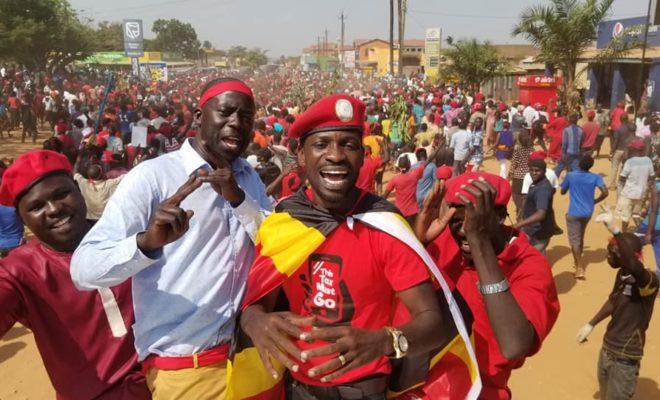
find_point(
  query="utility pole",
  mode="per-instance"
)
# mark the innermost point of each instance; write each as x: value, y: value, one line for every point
x: 391, y: 37
x: 318, y: 52
x: 641, y: 85
x: 325, y: 42
x: 341, y: 45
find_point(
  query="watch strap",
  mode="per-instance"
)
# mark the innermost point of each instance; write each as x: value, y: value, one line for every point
x: 493, y: 288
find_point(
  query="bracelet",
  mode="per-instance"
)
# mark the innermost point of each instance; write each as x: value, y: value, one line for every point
x: 493, y: 288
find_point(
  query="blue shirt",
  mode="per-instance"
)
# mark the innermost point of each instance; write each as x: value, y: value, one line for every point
x: 186, y: 298
x: 657, y: 212
x: 11, y: 228
x: 581, y: 186
x: 418, y: 111
x: 571, y: 140
x: 425, y: 183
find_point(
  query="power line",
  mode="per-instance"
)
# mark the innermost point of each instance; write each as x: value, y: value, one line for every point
x: 504, y: 17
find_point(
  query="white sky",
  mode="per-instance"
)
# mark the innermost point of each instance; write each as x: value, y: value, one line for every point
x: 284, y: 27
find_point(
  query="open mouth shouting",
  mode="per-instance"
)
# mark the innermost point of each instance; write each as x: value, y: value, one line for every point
x: 334, y: 178
x: 232, y: 143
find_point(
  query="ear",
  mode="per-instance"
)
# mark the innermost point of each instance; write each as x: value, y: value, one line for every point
x: 301, y: 154
x: 198, y: 116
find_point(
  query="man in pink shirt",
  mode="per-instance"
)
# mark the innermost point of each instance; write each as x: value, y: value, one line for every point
x: 590, y: 131
x: 404, y: 186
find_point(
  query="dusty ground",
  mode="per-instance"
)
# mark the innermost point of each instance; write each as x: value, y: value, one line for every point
x: 562, y: 370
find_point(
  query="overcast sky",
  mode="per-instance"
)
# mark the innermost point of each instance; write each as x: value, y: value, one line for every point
x: 284, y: 27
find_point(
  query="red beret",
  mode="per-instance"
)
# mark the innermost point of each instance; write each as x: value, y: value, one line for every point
x: 538, y: 155
x: 637, y: 144
x: 501, y: 185
x: 335, y: 112
x: 591, y: 114
x: 27, y: 170
x: 444, y: 172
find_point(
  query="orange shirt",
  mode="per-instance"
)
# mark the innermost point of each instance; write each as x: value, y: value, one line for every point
x: 261, y: 139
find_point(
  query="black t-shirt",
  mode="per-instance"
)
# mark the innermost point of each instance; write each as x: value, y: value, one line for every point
x: 539, y: 197
x: 633, y: 307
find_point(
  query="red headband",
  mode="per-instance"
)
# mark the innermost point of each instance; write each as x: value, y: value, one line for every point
x: 224, y: 86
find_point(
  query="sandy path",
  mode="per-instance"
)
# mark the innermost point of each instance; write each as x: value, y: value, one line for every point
x: 561, y: 370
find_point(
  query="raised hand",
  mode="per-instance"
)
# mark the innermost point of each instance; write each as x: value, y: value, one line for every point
x: 170, y: 221
x: 223, y: 182
x: 433, y: 217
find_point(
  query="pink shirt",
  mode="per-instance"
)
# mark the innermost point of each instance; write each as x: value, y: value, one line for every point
x: 404, y: 186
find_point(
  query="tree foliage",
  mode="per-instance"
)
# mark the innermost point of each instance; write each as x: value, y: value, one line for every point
x: 243, y: 57
x: 563, y: 30
x: 177, y: 37
x: 472, y: 62
x: 108, y: 36
x: 42, y: 33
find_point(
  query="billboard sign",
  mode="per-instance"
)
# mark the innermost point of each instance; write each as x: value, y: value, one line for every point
x: 133, y: 37
x: 432, y: 41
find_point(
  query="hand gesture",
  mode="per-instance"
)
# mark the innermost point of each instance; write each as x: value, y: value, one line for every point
x: 434, y: 216
x: 480, y: 218
x: 584, y: 332
x: 223, y: 182
x: 272, y: 334
x: 170, y: 221
x: 354, y: 347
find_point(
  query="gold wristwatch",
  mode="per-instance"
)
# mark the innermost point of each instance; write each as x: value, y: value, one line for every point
x: 399, y: 343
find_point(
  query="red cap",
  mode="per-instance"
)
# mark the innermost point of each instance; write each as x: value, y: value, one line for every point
x: 538, y: 155
x: 335, y: 112
x: 477, y: 107
x: 637, y: 144
x: 444, y: 172
x: 501, y: 185
x: 591, y: 114
x: 454, y: 104
x: 27, y: 170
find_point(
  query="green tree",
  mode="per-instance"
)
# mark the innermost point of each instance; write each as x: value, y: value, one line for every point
x: 563, y: 30
x: 236, y: 54
x: 108, y: 36
x: 472, y: 62
x: 255, y: 57
x: 42, y: 33
x: 177, y: 37
x: 207, y: 45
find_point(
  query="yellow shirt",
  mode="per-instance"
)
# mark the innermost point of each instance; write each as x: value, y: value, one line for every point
x: 373, y: 142
x: 387, y: 127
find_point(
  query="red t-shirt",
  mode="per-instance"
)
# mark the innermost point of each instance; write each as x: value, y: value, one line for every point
x: 589, y: 132
x: 533, y: 287
x: 367, y: 177
x: 83, y: 358
x: 615, y: 118
x: 404, y: 186
x: 342, y: 286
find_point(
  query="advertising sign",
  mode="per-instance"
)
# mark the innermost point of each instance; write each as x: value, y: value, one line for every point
x: 432, y: 41
x: 133, y: 37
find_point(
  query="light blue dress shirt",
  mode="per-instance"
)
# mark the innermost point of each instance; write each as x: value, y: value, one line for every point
x: 186, y: 298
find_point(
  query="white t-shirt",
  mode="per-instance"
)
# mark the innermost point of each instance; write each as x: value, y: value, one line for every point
x: 549, y: 174
x: 637, y: 171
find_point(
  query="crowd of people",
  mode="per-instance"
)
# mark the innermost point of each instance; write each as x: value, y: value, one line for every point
x: 253, y: 219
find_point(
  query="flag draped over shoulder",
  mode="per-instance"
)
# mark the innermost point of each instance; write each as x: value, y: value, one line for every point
x: 287, y: 238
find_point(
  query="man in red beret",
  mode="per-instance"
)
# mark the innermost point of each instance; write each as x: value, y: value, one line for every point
x: 85, y: 338
x: 505, y: 281
x: 346, y: 285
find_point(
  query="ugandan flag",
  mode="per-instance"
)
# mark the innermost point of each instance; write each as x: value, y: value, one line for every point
x: 286, y: 239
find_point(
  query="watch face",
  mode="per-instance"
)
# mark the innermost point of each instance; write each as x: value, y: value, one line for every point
x: 403, y: 344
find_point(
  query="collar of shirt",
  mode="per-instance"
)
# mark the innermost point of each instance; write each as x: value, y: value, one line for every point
x: 192, y: 161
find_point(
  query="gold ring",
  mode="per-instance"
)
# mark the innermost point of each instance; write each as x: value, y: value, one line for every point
x: 342, y: 359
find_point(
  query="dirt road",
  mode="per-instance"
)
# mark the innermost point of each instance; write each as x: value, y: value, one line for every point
x: 562, y: 369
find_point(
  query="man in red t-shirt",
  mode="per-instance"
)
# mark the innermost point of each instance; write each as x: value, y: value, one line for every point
x: 590, y: 131
x: 85, y: 338
x: 348, y: 285
x: 507, y: 283
x: 367, y: 176
x: 404, y: 187
x: 615, y: 116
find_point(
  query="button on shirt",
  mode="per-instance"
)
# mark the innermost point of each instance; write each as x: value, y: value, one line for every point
x: 187, y: 295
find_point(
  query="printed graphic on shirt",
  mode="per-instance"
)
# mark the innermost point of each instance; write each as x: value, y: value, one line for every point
x: 327, y: 295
